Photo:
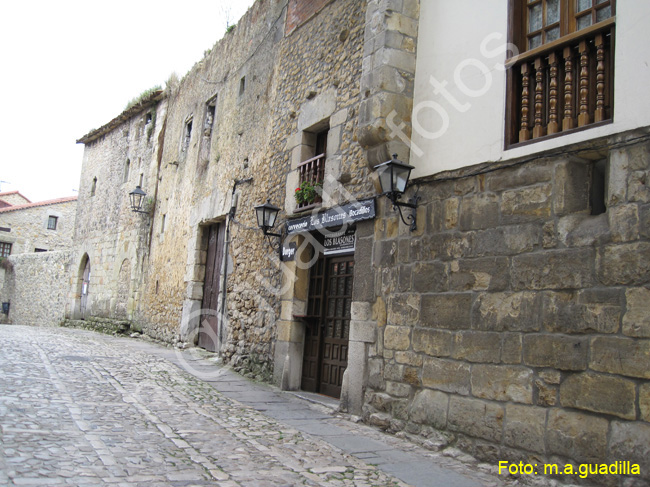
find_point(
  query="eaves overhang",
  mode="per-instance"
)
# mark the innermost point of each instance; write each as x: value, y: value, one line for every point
x: 127, y: 114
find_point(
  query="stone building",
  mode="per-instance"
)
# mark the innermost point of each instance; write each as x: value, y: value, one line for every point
x: 110, y: 241
x: 35, y: 227
x: 12, y: 198
x: 32, y: 282
x: 507, y: 315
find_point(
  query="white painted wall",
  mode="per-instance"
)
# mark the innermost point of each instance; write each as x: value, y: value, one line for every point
x: 462, y: 45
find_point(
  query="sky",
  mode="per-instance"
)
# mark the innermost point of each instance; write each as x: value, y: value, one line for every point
x: 70, y: 66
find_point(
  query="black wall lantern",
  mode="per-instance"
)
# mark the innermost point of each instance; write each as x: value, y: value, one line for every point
x: 267, y: 214
x: 136, y: 197
x: 393, y: 177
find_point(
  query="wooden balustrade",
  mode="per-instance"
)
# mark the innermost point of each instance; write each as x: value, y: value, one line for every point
x: 565, y: 85
x: 313, y: 171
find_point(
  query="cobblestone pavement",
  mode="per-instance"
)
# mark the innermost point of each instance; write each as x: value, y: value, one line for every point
x: 83, y: 409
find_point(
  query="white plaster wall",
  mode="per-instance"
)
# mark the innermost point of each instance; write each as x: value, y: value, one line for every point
x: 464, y: 123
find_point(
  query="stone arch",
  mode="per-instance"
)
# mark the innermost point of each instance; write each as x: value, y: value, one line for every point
x: 82, y: 288
x: 123, y: 290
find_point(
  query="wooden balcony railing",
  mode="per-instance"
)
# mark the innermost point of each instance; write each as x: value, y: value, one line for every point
x: 565, y: 85
x: 313, y: 171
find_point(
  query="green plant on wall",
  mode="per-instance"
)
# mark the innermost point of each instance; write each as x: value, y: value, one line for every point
x: 308, y: 192
x: 142, y: 96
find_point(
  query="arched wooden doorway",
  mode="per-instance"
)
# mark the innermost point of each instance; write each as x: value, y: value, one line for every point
x: 85, y: 287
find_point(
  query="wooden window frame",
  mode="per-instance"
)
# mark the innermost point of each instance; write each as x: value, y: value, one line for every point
x: 537, y: 79
x: 50, y: 219
x: 568, y: 20
x: 5, y: 249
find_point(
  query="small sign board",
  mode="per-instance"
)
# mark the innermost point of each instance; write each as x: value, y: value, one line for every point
x: 341, y: 243
x: 333, y: 217
x: 288, y: 253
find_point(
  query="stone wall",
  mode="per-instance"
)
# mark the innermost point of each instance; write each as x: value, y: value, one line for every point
x: 387, y: 81
x: 300, y: 11
x: 218, y: 104
x: 37, y: 288
x: 513, y: 319
x: 270, y: 88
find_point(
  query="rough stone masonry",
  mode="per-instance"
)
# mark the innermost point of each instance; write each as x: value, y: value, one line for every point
x: 514, y: 319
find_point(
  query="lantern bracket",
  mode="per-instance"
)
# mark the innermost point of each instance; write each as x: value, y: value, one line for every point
x: 394, y: 177
x: 412, y: 216
x: 266, y: 217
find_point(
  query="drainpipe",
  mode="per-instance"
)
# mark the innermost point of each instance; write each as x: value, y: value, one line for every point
x: 224, y: 290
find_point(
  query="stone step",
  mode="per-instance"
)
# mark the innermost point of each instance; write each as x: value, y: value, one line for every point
x: 101, y: 325
x: 114, y: 321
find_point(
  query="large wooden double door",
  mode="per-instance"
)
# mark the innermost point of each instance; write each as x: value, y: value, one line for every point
x: 328, y: 325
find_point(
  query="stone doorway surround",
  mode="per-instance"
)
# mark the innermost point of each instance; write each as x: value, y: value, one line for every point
x: 289, y: 347
x: 76, y: 307
x: 211, y: 210
x: 325, y: 356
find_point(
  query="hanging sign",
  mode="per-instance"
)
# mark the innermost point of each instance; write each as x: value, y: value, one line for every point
x: 340, y: 243
x: 339, y: 215
x: 288, y: 252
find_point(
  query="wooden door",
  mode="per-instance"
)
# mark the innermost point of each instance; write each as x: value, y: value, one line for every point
x: 328, y: 325
x: 85, y: 285
x: 311, y: 355
x: 336, y: 329
x: 209, y: 329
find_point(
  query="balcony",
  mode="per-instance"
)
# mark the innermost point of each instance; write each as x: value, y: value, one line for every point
x: 313, y: 171
x: 562, y: 86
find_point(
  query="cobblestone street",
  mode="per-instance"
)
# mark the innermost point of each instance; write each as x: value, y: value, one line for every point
x: 79, y: 408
